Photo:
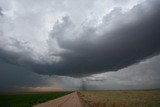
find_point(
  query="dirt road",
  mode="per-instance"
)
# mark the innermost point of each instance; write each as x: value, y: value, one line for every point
x: 70, y: 100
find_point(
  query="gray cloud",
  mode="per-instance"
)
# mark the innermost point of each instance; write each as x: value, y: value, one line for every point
x: 16, y: 78
x: 134, y: 39
x: 122, y: 39
x: 143, y: 75
x: 70, y: 38
x: 1, y: 14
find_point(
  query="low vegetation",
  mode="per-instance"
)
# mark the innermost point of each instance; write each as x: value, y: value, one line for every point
x: 28, y: 99
x: 122, y: 98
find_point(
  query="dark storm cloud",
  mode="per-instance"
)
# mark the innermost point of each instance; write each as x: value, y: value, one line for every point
x: 14, y: 77
x: 128, y: 43
x: 114, y: 50
x: 144, y: 75
x: 1, y: 11
x: 16, y: 58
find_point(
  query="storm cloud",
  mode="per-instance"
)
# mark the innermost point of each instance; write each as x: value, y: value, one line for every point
x: 143, y: 75
x: 133, y: 38
x: 48, y: 45
x: 1, y: 11
x: 121, y: 39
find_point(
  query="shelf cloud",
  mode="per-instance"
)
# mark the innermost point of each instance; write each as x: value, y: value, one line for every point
x: 79, y: 44
x: 120, y: 40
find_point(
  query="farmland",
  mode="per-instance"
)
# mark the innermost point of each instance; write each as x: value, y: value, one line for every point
x: 122, y: 98
x: 108, y: 98
x: 28, y: 99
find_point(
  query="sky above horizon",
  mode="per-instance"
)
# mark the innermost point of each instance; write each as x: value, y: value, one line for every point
x: 70, y: 45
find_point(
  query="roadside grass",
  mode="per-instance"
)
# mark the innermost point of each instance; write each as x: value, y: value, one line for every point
x: 122, y: 98
x: 28, y: 99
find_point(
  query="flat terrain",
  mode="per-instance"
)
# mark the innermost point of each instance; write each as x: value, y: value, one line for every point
x: 70, y: 100
x: 122, y: 98
x: 28, y: 99
x: 110, y: 98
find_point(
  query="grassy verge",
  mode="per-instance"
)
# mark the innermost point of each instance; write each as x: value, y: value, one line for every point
x: 28, y: 99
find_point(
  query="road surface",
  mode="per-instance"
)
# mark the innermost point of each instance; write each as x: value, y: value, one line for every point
x: 70, y: 100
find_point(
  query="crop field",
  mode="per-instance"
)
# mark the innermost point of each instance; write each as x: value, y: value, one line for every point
x: 122, y: 98
x: 28, y: 99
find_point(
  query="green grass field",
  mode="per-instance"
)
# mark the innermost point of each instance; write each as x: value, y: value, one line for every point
x: 28, y: 99
x: 122, y: 98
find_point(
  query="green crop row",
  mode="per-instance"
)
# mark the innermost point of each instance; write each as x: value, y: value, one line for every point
x: 28, y: 99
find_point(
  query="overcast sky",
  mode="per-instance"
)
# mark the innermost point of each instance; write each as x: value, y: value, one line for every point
x: 85, y: 44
